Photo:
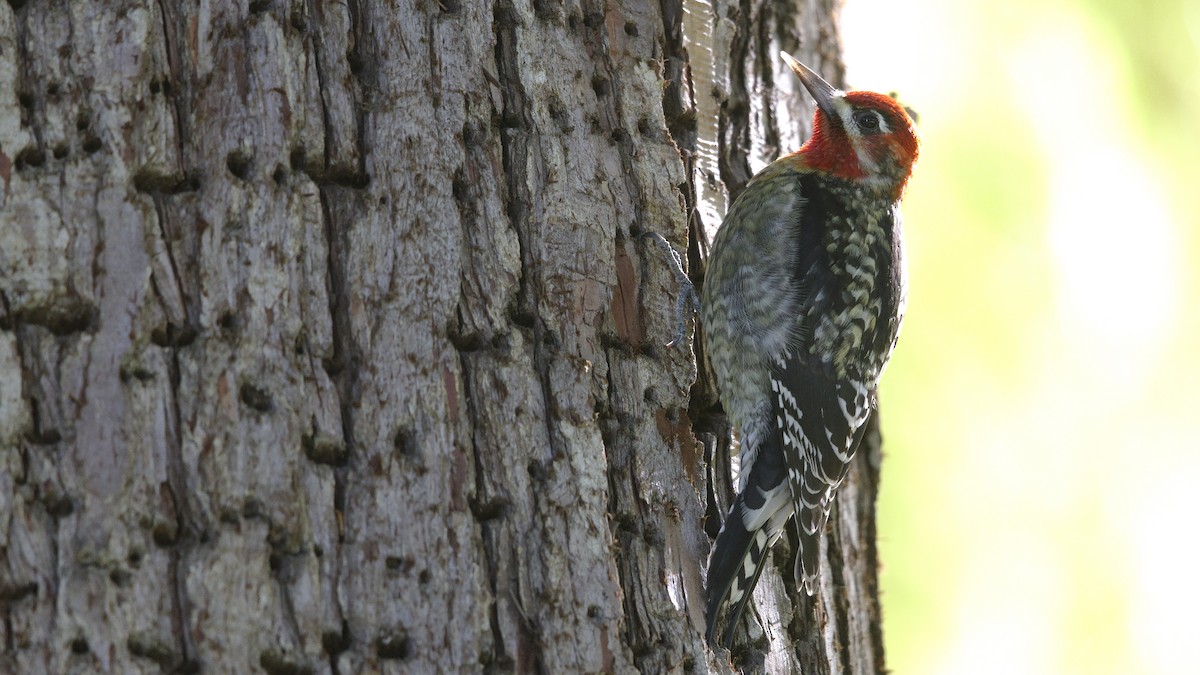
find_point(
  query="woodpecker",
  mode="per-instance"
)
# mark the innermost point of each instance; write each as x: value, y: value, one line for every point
x: 802, y: 304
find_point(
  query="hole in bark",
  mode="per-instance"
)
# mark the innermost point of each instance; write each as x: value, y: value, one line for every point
x: 135, y: 558
x: 256, y: 397
x: 593, y: 611
x: 424, y: 577
x: 152, y: 180
x: 459, y: 188
x: 43, y: 436
x: 601, y: 86
x: 275, y: 663
x: 335, y: 642
x: 227, y: 321
x: 259, y: 6
x: 645, y: 128
x: 91, y: 144
x: 120, y: 577
x: 324, y: 449
x: 593, y: 19
x: 501, y: 343
x: 486, y: 510
x: 620, y: 135
x: 53, y: 90
x: 469, y: 342
x: 403, y: 565
x: 631, y: 29
x: 449, y: 6
x: 280, y: 174
x: 520, y: 316
x: 238, y: 163
x: 10, y: 592
x: 25, y: 99
x: 253, y: 508
x: 67, y: 316
x: 61, y: 150
x: 473, y: 133
x: 31, y: 156
x: 537, y: 471
x: 155, y: 87
x: 139, y: 372
x: 296, y: 158
x: 165, y: 534
x: 393, y: 646
x: 79, y: 646
x: 82, y: 121
x: 355, y: 61
x: 59, y: 505
x: 406, y: 443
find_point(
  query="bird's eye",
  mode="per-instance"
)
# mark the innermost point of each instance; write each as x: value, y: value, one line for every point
x: 867, y: 121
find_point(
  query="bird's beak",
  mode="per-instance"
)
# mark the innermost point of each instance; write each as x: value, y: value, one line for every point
x: 821, y: 90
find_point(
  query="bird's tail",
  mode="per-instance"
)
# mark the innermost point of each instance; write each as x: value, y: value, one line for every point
x: 738, y: 555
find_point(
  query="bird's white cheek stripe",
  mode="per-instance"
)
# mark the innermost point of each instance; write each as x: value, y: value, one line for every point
x: 865, y: 161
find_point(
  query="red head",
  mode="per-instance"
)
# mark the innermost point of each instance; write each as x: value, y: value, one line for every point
x: 860, y: 135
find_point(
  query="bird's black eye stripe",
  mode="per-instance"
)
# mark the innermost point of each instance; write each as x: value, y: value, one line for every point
x: 867, y: 121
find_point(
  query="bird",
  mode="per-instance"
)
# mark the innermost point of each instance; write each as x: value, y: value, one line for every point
x: 802, y: 303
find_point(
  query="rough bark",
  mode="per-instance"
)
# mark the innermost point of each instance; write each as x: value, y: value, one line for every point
x: 329, y: 341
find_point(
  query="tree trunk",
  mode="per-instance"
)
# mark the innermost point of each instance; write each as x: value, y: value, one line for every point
x: 329, y: 341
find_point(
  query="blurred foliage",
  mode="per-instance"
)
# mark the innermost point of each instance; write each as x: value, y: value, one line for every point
x: 1042, y: 486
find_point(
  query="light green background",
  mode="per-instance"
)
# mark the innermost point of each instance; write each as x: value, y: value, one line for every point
x: 1041, y: 501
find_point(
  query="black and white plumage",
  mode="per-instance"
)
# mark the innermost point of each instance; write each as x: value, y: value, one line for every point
x: 802, y: 304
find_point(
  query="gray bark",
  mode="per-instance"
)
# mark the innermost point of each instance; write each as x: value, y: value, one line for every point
x: 329, y: 341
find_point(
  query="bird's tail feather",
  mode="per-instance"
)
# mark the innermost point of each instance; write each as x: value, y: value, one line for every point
x: 735, y: 565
